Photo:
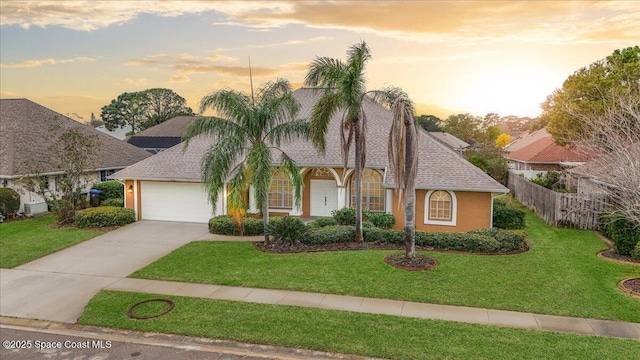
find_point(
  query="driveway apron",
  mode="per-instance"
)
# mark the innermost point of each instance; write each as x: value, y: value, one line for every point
x: 57, y: 287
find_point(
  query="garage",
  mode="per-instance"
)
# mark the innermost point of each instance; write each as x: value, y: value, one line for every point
x: 176, y: 201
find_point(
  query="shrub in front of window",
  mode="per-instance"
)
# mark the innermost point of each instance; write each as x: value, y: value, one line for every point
x: 9, y: 201
x: 253, y: 226
x: 110, y: 190
x: 383, y: 236
x: 382, y: 220
x: 506, y: 216
x: 622, y: 232
x: 104, y: 216
x: 347, y: 215
x: 223, y: 225
x: 327, y: 221
x: 113, y: 202
x: 329, y: 235
x: 286, y: 230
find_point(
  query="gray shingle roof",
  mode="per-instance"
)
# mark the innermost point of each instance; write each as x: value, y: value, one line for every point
x: 26, y: 133
x: 439, y: 167
x: 173, y: 127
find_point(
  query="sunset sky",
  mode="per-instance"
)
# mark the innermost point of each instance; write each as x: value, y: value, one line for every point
x: 450, y: 56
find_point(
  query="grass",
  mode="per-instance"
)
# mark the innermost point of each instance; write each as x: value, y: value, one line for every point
x: 352, y: 333
x: 560, y: 275
x: 26, y: 240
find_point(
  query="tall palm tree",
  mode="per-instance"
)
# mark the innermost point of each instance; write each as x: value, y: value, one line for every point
x: 343, y: 87
x: 248, y: 132
x: 402, y: 152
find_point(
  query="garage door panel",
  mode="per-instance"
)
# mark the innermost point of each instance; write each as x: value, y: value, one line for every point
x: 172, y: 201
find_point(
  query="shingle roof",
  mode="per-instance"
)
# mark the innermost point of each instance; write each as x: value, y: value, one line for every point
x: 154, y: 142
x: 439, y: 166
x: 26, y: 132
x: 526, y: 138
x: 173, y: 127
x: 544, y: 150
x: 449, y: 140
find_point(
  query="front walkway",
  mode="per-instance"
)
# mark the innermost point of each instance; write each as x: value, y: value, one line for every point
x: 382, y: 306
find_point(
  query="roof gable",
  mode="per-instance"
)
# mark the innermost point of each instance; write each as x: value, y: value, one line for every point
x: 545, y: 150
x: 173, y: 127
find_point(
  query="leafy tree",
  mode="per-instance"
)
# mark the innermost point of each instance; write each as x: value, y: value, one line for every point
x: 247, y: 132
x: 466, y: 127
x: 503, y: 140
x: 588, y: 89
x: 429, y: 122
x: 343, y: 90
x: 144, y: 109
x: 490, y: 158
x: 491, y: 134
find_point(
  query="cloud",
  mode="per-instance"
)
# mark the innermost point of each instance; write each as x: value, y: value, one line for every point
x: 136, y: 82
x: 49, y: 61
x: 283, y: 43
x: 445, y: 58
x: 179, y: 79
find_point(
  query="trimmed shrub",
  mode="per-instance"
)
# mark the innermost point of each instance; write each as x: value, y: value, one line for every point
x: 113, y: 202
x: 635, y: 254
x: 506, y: 216
x: 329, y: 235
x: 286, y: 230
x: 253, y: 226
x: 223, y: 225
x: 326, y: 221
x: 9, y: 201
x: 382, y: 220
x: 104, y: 216
x: 622, y: 232
x: 347, y: 215
x: 110, y: 190
x: 386, y: 236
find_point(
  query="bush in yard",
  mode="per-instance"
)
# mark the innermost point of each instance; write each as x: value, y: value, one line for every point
x: 379, y: 235
x: 382, y: 220
x: 223, y: 225
x: 253, y: 226
x: 329, y: 235
x: 110, y: 190
x: 326, y: 221
x: 635, y: 254
x: 113, y: 202
x: 347, y: 215
x: 506, y: 216
x: 623, y: 233
x: 9, y: 201
x: 286, y: 230
x: 104, y: 216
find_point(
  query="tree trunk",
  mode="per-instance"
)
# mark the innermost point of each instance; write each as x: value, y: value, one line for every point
x: 357, y: 177
x: 409, y: 198
x: 265, y: 218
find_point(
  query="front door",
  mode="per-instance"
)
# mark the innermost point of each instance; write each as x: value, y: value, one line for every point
x: 324, y: 197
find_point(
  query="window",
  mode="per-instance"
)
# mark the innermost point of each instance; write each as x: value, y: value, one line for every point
x: 280, y: 192
x: 373, y: 194
x: 440, y: 208
x: 105, y: 173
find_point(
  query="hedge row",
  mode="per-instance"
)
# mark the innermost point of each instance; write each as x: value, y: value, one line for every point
x: 623, y: 233
x: 226, y: 225
x: 9, y: 201
x: 110, y: 190
x: 506, y: 216
x: 104, y: 216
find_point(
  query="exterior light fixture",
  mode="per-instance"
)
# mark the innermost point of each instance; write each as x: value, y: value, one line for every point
x: 130, y: 190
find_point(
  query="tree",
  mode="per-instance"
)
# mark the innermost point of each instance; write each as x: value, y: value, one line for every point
x: 94, y: 122
x: 343, y: 90
x: 589, y: 89
x: 73, y: 152
x: 246, y: 133
x: 144, y: 109
x: 429, y: 122
x: 466, y: 127
x: 503, y: 140
x: 490, y: 158
x: 402, y: 152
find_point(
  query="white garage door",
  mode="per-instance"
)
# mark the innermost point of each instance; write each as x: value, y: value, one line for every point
x: 174, y: 201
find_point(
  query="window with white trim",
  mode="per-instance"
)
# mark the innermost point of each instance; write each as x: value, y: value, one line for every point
x: 105, y: 173
x: 373, y: 194
x: 440, y: 208
x: 280, y: 192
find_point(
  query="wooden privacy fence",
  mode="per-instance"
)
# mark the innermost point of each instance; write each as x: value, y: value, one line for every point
x: 579, y: 211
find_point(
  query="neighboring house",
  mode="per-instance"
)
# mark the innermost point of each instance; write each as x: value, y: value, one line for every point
x: 449, y: 140
x: 452, y: 194
x: 162, y: 136
x: 526, y: 138
x: 26, y: 133
x: 119, y: 133
x: 536, y: 153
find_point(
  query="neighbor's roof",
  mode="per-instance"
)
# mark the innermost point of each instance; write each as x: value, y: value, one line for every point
x: 526, y: 138
x: 439, y: 167
x: 26, y: 132
x: 173, y: 127
x: 607, y: 168
x: 154, y: 142
x: 119, y: 132
x: 546, y: 151
x: 449, y: 140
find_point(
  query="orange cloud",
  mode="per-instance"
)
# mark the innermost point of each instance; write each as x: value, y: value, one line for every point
x: 49, y: 61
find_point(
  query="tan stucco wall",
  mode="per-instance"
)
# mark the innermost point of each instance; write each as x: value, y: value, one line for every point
x: 474, y: 212
x: 128, y: 196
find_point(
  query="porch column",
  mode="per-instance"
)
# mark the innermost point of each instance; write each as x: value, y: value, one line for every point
x: 342, y: 197
x: 388, y: 201
x: 252, y: 201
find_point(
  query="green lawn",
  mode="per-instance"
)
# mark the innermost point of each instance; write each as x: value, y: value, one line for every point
x: 352, y: 333
x: 26, y: 240
x: 560, y: 275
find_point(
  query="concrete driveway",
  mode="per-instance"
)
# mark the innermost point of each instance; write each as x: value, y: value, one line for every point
x: 57, y: 287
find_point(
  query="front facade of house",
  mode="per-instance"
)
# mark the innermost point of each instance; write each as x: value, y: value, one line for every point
x: 451, y: 194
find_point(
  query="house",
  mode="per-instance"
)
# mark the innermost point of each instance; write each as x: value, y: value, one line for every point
x: 449, y: 140
x: 162, y: 136
x: 26, y: 135
x: 119, y: 132
x: 452, y: 194
x: 536, y: 152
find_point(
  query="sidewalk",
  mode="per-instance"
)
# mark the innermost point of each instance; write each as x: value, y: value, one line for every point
x: 505, y: 318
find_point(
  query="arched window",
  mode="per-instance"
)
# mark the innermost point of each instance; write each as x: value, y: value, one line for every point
x: 372, y: 191
x: 440, y: 208
x: 280, y: 192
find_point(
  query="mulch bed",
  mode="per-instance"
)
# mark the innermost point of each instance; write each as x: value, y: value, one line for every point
x: 613, y: 255
x: 418, y: 263
x: 631, y: 285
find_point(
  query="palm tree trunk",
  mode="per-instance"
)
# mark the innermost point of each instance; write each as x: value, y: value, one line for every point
x: 409, y: 198
x: 357, y: 177
x: 265, y: 218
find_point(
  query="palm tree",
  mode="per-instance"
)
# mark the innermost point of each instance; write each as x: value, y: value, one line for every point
x: 248, y: 133
x: 402, y: 152
x: 343, y: 87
